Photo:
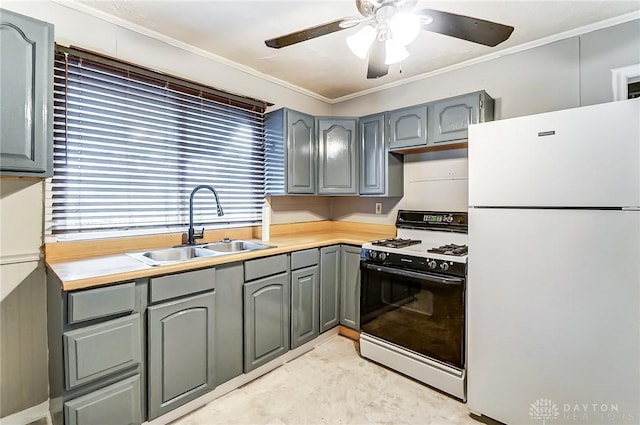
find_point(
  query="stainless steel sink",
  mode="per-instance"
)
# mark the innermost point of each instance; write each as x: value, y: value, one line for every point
x: 158, y: 257
x: 234, y: 246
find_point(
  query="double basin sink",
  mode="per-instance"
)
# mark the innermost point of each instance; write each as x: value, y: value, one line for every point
x: 158, y: 257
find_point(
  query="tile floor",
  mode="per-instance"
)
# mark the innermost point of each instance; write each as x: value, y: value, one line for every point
x: 332, y: 384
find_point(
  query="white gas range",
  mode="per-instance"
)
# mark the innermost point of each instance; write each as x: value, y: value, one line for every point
x: 412, y: 299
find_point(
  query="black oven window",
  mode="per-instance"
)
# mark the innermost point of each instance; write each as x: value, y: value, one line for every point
x: 421, y: 315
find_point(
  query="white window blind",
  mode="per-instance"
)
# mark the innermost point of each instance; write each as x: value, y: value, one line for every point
x: 129, y: 146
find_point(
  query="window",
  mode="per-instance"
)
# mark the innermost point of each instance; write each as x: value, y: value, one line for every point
x: 130, y: 144
x: 626, y: 82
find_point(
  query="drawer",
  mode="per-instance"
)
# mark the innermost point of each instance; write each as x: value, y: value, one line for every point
x: 96, y: 351
x: 181, y: 284
x: 261, y: 267
x: 306, y: 258
x: 100, y: 302
x: 115, y: 404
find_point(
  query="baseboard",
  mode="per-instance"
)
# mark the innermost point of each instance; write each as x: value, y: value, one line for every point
x: 349, y: 333
x: 29, y: 415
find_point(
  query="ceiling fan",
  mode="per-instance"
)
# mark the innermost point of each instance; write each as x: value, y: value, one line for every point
x: 387, y: 26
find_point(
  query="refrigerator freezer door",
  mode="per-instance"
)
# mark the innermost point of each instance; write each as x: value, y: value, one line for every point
x: 554, y: 316
x: 583, y: 157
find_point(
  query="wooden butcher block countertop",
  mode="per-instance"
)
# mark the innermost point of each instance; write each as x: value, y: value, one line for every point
x: 84, y: 264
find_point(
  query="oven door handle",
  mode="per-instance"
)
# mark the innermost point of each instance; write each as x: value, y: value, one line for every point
x: 413, y: 274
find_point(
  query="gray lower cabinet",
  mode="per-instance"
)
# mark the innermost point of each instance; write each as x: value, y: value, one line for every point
x: 116, y: 404
x: 228, y: 336
x: 408, y: 127
x: 290, y: 153
x: 26, y: 104
x: 99, y: 350
x: 305, y: 306
x: 329, y: 287
x: 381, y: 171
x: 181, y: 351
x: 350, y: 286
x: 97, y: 353
x: 266, y: 319
x: 449, y: 119
x: 338, y: 156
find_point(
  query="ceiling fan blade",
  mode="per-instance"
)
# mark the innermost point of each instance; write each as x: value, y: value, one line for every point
x: 466, y: 28
x: 377, y: 67
x: 309, y: 33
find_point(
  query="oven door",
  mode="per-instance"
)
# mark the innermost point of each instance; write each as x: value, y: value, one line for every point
x: 419, y: 311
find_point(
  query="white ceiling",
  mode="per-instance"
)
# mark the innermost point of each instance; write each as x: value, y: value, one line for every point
x: 236, y: 30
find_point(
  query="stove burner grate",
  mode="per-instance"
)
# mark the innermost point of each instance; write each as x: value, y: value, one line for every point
x: 450, y: 249
x: 396, y: 242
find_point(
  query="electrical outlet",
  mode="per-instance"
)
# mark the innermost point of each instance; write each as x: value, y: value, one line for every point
x: 378, y: 207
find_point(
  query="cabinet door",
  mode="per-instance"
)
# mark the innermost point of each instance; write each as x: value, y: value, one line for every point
x: 228, y: 341
x: 304, y: 305
x: 372, y: 155
x: 181, y: 352
x: 337, y: 156
x: 329, y: 287
x: 266, y: 320
x: 99, y: 350
x: 350, y: 287
x: 408, y: 127
x: 301, y: 156
x: 115, y: 404
x: 449, y: 119
x: 26, y: 84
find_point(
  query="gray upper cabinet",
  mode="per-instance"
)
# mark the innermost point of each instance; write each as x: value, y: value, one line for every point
x: 381, y: 172
x: 449, y: 119
x: 350, y: 286
x: 329, y: 287
x: 337, y: 156
x: 408, y: 127
x: 290, y: 153
x: 26, y: 96
x: 442, y: 124
x: 181, y: 352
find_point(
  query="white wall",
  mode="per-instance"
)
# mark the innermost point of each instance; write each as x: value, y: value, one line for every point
x: 82, y: 30
x: 23, y: 355
x: 565, y: 74
x: 542, y: 79
x: 23, y: 345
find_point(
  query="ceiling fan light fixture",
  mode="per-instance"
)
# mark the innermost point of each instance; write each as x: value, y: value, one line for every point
x: 360, y: 42
x: 395, y: 52
x: 404, y: 27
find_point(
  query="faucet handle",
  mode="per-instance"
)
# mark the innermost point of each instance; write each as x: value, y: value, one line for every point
x: 198, y: 234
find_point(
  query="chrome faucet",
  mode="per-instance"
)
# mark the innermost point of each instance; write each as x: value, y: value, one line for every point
x: 192, y: 234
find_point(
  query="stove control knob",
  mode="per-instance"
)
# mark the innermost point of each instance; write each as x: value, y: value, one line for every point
x: 382, y: 256
x: 432, y: 264
x: 444, y: 267
x: 374, y: 254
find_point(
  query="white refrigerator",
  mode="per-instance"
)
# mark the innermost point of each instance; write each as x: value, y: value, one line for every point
x: 553, y: 313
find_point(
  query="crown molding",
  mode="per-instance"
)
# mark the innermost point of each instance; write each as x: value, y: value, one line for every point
x: 519, y: 48
x: 80, y: 7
